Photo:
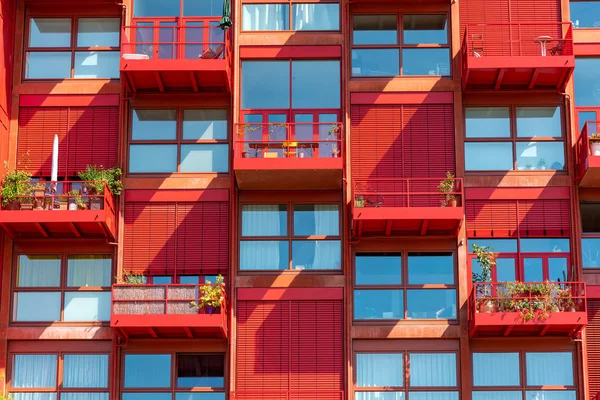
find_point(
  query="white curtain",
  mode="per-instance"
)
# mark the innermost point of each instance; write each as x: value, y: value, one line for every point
x: 33, y: 371
x: 261, y: 220
x: 263, y: 255
x: 432, y: 369
x: 496, y: 369
x: 550, y: 395
x: 88, y: 270
x: 377, y: 370
x: 327, y: 254
x: 265, y: 17
x: 433, y: 396
x: 33, y: 396
x: 327, y: 220
x: 379, y: 396
x: 316, y: 17
x: 83, y: 396
x: 40, y: 271
x: 549, y: 369
x: 85, y: 371
x: 488, y: 395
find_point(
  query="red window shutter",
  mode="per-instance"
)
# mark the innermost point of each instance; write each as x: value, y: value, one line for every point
x: 149, y: 242
x: 202, y: 238
x: 544, y: 218
x: 93, y: 135
x: 37, y: 127
x: 592, y: 337
x: 487, y: 218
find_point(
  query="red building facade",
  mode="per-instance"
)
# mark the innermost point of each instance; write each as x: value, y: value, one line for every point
x: 299, y: 153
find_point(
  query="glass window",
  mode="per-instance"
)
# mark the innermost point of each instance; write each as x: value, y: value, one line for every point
x: 427, y: 268
x: 266, y: 84
x: 265, y: 17
x: 89, y: 270
x: 315, y: 84
x: 432, y: 369
x: 204, y: 124
x: 92, y: 64
x: 206, y: 8
x: 585, y: 14
x: 316, y: 17
x: 540, y: 155
x: 431, y: 303
x: 48, y: 65
x: 487, y: 122
x: 264, y: 220
x: 33, y: 371
x: 379, y: 396
x: 590, y: 249
x: 378, y: 269
x: 152, y: 158
x: 316, y: 254
x: 590, y: 217
x: 380, y: 370
x: 499, y: 245
x: 154, y: 125
x: 85, y: 371
x: 539, y: 122
x: 204, y: 158
x: 545, y: 245
x: 316, y: 220
x: 587, y: 87
x: 36, y: 306
x: 148, y: 396
x: 264, y: 255
x: 162, y: 280
x: 477, y: 156
x: 425, y: 29
x: 496, y: 369
x: 374, y: 29
x: 549, y: 369
x: 497, y: 395
x: 200, y: 370
x: 375, y: 62
x: 156, y: 8
x: 147, y: 371
x: 87, y: 306
x: 199, y: 396
x: 50, y: 32
x: 426, y: 62
x: 378, y: 304
x: 98, y: 32
x: 584, y: 116
x: 38, y: 271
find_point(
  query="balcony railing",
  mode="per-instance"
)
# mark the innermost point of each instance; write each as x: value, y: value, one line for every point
x: 518, y: 39
x: 289, y: 140
x: 584, y: 148
x: 195, y: 38
x: 405, y: 192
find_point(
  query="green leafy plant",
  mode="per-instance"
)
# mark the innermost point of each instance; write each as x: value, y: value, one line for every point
x: 486, y: 257
x: 211, y: 295
x: 96, y: 176
x: 130, y: 278
x: 446, y: 187
x: 595, y: 137
x: 74, y: 194
x: 15, y: 185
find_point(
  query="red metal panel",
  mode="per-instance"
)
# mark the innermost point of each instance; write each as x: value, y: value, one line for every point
x: 523, y: 193
x: 290, y: 52
x: 65, y: 100
x: 592, y: 336
x: 166, y: 195
x: 402, y: 98
x: 149, y: 243
x: 93, y: 135
x: 37, y: 127
x: 491, y: 218
x: 544, y: 218
x: 329, y: 293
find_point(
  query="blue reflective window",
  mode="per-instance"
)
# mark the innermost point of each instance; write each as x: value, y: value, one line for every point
x: 379, y: 395
x: 583, y: 117
x: 83, y: 396
x: 499, y: 245
x: 204, y: 8
x: 87, y: 306
x: 156, y: 8
x: 147, y: 396
x: 505, y: 269
x: 199, y: 396
x: 162, y: 280
x: 378, y: 304
x: 315, y: 84
x: 433, y: 395
x: 585, y: 14
x: 38, y: 271
x: 264, y: 220
x: 374, y: 29
x: 152, y: 158
x: 539, y: 122
x: 265, y: 17
x: 50, y: 32
x: 48, y: 65
x: 590, y: 250
x: 426, y: 62
x: 24, y: 366
x: 380, y: 370
x: 558, y: 269
x: 550, y: 395
x: 432, y: 369
x: 316, y: 255
x: 545, y: 245
x: 266, y: 84
x: 264, y: 255
x: 375, y: 62
x: 429, y: 268
x: 200, y: 370
x: 204, y: 158
x: 431, y: 303
x: 147, y: 371
x: 587, y: 87
x: 487, y: 122
x: 533, y: 270
x: 549, y: 369
x: 85, y: 371
x: 540, y: 155
x: 426, y: 28
x: 496, y: 369
x: 98, y: 32
x: 316, y: 17
x: 154, y: 125
x: 497, y: 395
x: 36, y: 306
x: 204, y: 124
x: 478, y: 156
x: 316, y: 220
x: 375, y: 269
x: 97, y: 64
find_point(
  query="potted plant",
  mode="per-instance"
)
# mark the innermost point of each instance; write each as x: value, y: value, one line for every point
x: 211, y: 296
x: 446, y: 187
x: 75, y: 201
x: 62, y: 202
x: 595, y: 144
x: 246, y: 152
x: 26, y: 203
x: 96, y: 178
x: 15, y: 185
x: 359, y: 201
x: 542, y: 164
x: 335, y: 151
x: 39, y: 193
x: 487, y: 260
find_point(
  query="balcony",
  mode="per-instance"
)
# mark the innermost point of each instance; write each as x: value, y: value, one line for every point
x: 518, y: 56
x: 164, y: 311
x: 527, y: 309
x: 160, y: 55
x: 587, y: 157
x: 411, y: 206
x: 284, y: 156
x: 64, y: 214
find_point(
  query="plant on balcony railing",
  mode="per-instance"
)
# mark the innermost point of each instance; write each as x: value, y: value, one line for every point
x: 446, y: 187
x: 595, y: 144
x: 130, y: 278
x: 211, y: 296
x: 487, y: 260
x: 16, y: 188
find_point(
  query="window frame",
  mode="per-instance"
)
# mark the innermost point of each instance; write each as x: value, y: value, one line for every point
x: 290, y: 4
x: 173, y: 389
x: 514, y: 139
x: 58, y: 388
x: 62, y: 288
x: 181, y: 16
x: 178, y: 141
x: 406, y: 388
x: 405, y: 286
x: 73, y: 48
x: 400, y: 45
x: 523, y: 387
x: 290, y: 237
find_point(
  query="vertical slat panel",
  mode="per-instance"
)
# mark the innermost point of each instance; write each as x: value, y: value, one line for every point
x: 592, y: 336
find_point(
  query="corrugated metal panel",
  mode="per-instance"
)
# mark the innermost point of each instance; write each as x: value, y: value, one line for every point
x: 592, y: 336
x: 37, y: 127
x: 491, y: 218
x: 93, y: 135
x: 290, y: 346
x: 544, y: 218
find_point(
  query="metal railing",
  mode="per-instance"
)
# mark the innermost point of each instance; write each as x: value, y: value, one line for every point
x: 167, y: 299
x: 164, y: 39
x: 289, y: 140
x: 518, y: 39
x: 62, y: 195
x: 532, y: 300
x: 405, y: 192
x: 583, y: 146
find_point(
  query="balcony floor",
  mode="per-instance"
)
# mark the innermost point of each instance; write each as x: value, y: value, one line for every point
x: 496, y: 324
x: 169, y: 326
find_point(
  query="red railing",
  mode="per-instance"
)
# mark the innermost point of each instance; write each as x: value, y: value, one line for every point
x: 63, y: 197
x: 518, y: 39
x: 289, y: 395
x: 583, y: 148
x: 289, y: 140
x: 405, y: 192
x: 165, y: 39
x: 532, y: 300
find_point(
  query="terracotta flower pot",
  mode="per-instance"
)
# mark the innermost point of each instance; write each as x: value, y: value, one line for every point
x: 452, y: 203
